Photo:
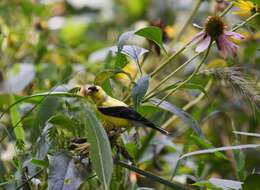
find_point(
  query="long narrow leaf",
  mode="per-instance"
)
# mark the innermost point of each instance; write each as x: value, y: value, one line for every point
x: 187, y: 118
x: 100, y: 151
x: 212, y: 150
x: 247, y: 134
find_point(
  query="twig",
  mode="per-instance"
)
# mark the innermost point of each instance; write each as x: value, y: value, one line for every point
x: 30, y: 178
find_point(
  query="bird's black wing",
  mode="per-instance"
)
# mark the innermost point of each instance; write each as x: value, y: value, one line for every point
x: 130, y: 114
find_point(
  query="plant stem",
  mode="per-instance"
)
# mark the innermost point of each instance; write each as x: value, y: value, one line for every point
x: 190, y: 77
x: 29, y: 179
x: 44, y: 95
x: 227, y: 9
x: 169, y: 76
x: 170, y: 58
x: 245, y: 22
x: 174, y: 185
x: 188, y: 105
x: 192, y: 14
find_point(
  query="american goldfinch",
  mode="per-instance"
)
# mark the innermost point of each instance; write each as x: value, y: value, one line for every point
x: 116, y: 112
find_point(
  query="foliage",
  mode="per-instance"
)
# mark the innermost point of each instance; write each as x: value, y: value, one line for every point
x: 139, y: 52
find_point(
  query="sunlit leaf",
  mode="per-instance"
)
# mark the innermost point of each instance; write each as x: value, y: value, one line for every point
x: 226, y: 184
x: 100, y: 151
x: 152, y: 33
x: 139, y: 90
x: 247, y: 134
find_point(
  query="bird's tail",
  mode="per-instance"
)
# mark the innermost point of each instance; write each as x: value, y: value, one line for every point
x: 151, y: 125
x: 161, y: 130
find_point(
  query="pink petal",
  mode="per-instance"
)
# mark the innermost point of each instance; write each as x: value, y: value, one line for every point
x: 203, y: 44
x: 197, y: 37
x: 234, y: 35
x: 226, y: 47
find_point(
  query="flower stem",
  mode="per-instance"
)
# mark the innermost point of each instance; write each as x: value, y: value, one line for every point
x: 170, y: 58
x: 226, y: 9
x: 190, y: 77
x: 245, y: 22
x: 189, y: 105
x: 192, y: 14
x: 169, y: 76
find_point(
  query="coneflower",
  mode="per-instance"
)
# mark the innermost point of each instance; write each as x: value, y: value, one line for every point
x: 215, y: 30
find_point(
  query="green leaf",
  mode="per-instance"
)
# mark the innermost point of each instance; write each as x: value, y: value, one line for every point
x: 203, y: 143
x: 252, y: 182
x: 121, y: 60
x: 100, y: 151
x: 15, y: 116
x: 47, y: 108
x: 41, y: 163
x: 61, y: 120
x: 256, y: 1
x: 207, y: 185
x: 139, y: 90
x: 63, y: 174
x: 187, y: 118
x: 152, y: 33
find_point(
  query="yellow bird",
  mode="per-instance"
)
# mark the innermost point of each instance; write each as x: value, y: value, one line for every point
x: 116, y: 112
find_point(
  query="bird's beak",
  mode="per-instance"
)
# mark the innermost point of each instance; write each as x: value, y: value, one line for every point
x: 84, y: 90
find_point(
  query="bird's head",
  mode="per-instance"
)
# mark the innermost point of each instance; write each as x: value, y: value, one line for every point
x: 96, y: 93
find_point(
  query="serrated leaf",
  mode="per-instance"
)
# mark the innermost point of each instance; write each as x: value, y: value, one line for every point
x: 100, y: 151
x: 186, y: 118
x: 139, y: 90
x: 63, y: 174
x: 212, y: 150
x: 152, y: 33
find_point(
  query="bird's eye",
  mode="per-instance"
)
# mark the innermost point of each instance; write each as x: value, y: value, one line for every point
x: 93, y: 88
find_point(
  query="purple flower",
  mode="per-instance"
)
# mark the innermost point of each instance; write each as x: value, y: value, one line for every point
x: 215, y: 30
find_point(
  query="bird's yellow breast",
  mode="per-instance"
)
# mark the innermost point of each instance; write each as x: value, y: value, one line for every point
x: 115, y: 121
